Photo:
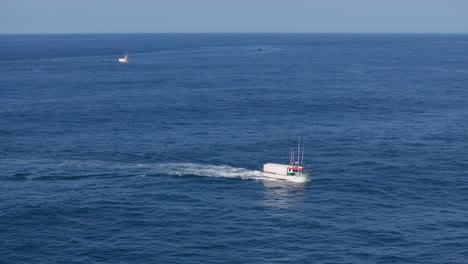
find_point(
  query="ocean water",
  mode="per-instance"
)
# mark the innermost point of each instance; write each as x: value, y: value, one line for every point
x: 158, y: 161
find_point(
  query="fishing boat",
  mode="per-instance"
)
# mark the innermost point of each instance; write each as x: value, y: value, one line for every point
x: 293, y: 172
x: 124, y: 59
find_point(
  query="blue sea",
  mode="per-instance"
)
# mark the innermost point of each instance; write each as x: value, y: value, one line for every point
x: 159, y: 160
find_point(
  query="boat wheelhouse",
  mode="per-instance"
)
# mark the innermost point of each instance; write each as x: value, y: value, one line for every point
x: 295, y: 170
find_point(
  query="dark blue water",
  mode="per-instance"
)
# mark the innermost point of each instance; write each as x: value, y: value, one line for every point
x: 157, y: 161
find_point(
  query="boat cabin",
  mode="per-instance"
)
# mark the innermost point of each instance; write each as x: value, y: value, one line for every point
x: 295, y: 170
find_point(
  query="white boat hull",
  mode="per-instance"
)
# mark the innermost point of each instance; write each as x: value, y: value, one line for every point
x: 280, y: 172
x: 292, y: 178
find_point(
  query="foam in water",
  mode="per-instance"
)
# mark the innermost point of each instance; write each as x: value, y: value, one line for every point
x: 224, y: 171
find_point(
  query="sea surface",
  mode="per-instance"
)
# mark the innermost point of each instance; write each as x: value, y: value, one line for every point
x: 158, y: 160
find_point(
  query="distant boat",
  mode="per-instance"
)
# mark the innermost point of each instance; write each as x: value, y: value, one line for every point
x: 293, y: 172
x: 259, y: 49
x: 124, y: 59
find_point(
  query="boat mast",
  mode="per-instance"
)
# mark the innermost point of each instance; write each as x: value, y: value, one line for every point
x: 303, y: 153
x: 291, y: 158
x: 299, y: 152
x: 294, y: 157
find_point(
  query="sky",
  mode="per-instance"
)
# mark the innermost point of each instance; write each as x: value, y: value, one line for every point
x: 223, y: 16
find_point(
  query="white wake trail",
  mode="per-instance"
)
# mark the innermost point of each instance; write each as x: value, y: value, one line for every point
x: 206, y: 170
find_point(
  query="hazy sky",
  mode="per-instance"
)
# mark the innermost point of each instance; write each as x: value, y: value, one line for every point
x: 111, y: 16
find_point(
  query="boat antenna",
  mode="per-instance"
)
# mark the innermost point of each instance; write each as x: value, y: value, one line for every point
x: 291, y: 158
x: 294, y: 156
x: 299, y: 152
x: 303, y: 153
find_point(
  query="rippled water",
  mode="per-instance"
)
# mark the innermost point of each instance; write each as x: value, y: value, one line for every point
x: 159, y: 161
